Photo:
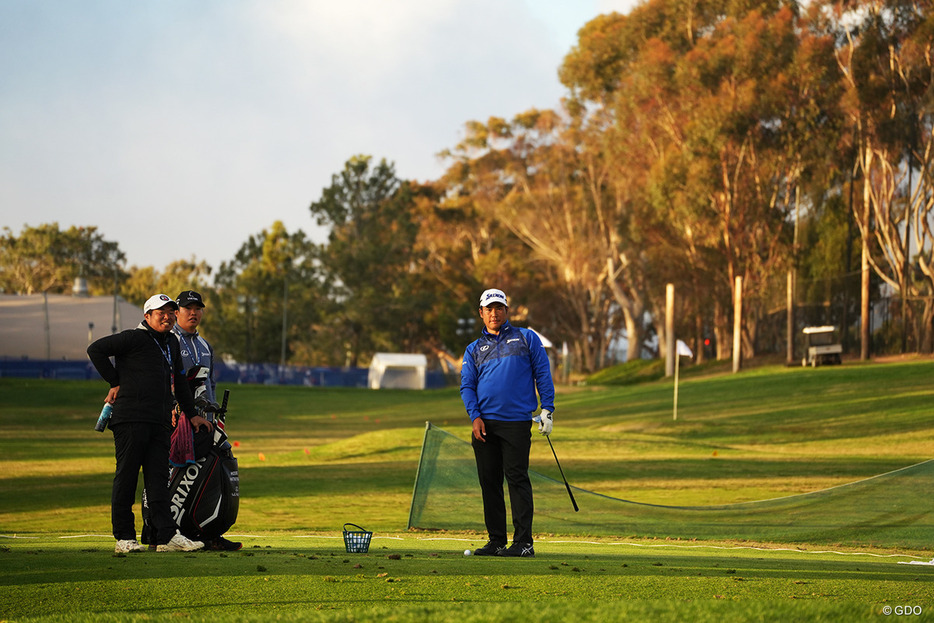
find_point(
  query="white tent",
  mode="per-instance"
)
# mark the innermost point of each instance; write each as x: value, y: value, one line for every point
x: 397, y: 371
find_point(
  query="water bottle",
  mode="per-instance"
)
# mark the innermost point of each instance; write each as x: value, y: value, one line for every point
x: 104, y: 417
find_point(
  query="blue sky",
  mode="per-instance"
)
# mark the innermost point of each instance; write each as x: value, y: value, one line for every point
x: 181, y: 128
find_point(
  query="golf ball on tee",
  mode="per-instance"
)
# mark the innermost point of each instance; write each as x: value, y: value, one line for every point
x: 467, y: 552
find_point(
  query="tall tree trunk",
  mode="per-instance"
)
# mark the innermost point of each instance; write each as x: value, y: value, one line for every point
x: 864, y: 304
x: 633, y: 308
x: 699, y: 355
x: 723, y: 331
x: 926, y: 345
x: 864, y: 310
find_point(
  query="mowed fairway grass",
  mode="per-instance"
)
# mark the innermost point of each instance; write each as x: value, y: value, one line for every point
x: 312, y: 459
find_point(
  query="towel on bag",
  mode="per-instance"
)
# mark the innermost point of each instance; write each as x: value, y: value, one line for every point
x: 182, y: 450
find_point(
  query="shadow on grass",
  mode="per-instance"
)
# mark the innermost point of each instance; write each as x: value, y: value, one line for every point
x: 37, y: 493
x: 25, y: 564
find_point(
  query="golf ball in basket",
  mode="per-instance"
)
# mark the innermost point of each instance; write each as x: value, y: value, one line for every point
x: 467, y: 552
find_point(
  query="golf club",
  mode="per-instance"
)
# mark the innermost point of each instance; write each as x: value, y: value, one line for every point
x: 566, y: 485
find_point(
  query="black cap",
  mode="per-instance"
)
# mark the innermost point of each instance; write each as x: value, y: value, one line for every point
x: 188, y: 297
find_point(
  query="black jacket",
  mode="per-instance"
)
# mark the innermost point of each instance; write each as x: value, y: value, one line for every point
x: 142, y: 370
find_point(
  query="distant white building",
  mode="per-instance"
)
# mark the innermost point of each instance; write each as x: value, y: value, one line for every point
x: 60, y: 326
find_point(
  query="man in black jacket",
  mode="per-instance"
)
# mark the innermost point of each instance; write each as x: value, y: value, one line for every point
x: 147, y: 364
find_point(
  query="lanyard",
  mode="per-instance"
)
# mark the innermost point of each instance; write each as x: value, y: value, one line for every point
x: 166, y: 352
x: 195, y: 353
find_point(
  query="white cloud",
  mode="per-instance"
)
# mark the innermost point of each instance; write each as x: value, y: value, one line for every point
x: 371, y: 35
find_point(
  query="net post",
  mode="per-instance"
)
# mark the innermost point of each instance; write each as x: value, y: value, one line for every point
x: 418, y: 470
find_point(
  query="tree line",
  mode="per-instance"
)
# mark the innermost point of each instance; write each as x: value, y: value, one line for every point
x: 780, y: 142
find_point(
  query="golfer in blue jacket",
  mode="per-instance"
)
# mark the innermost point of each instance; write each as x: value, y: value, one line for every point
x: 499, y: 377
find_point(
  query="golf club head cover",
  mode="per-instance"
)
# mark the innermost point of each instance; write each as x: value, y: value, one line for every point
x: 545, y: 422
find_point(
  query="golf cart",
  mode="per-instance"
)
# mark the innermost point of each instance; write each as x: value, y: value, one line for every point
x: 823, y: 347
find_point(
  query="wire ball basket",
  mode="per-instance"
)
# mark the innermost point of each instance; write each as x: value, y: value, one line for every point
x: 357, y: 541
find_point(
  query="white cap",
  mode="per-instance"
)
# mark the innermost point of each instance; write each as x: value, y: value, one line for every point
x: 158, y: 301
x: 493, y: 296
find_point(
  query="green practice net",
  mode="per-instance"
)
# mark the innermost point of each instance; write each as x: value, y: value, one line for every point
x: 892, y: 510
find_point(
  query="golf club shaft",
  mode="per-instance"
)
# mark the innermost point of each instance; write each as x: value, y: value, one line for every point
x: 566, y: 485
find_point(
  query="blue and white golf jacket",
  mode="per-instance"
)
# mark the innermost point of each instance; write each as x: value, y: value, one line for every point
x: 196, y: 351
x: 500, y: 373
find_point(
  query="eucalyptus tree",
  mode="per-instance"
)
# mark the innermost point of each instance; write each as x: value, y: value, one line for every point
x: 143, y: 281
x: 462, y: 250
x: 268, y: 299
x: 47, y: 258
x: 707, y: 108
x: 370, y: 261
x: 524, y: 176
x: 884, y: 53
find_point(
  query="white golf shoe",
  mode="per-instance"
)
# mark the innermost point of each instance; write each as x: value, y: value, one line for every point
x: 180, y: 543
x: 126, y: 546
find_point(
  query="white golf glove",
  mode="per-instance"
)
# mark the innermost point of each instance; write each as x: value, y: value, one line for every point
x: 545, y: 422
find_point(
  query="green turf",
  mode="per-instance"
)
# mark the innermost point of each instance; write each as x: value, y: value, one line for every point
x: 408, y: 577
x: 312, y: 459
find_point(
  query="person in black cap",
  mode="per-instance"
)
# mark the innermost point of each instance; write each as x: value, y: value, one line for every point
x: 196, y: 351
x: 146, y: 364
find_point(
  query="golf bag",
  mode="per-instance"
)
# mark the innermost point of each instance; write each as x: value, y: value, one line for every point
x: 204, y: 494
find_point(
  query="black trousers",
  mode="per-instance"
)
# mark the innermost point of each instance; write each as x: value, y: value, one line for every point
x: 506, y: 454
x: 141, y: 446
